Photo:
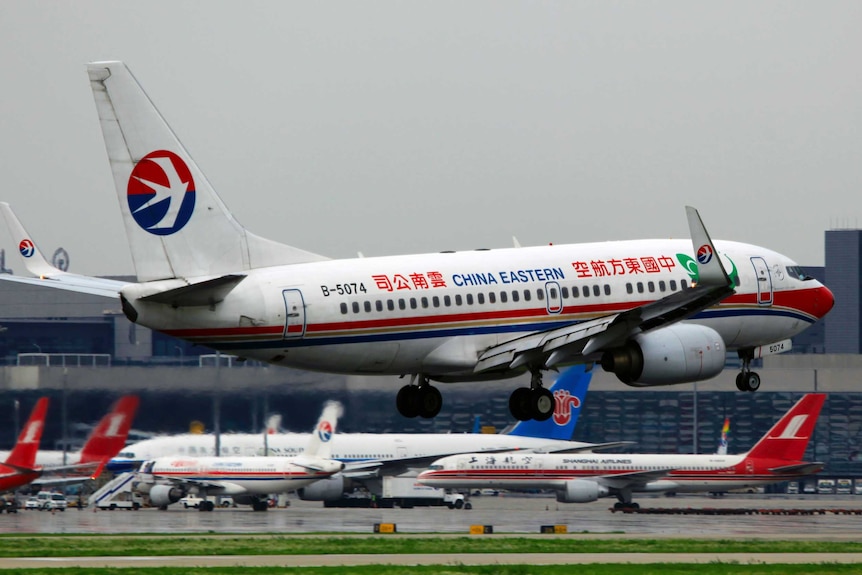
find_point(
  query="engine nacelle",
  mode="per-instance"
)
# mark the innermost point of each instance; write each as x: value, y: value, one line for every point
x: 581, y: 491
x: 678, y: 353
x: 329, y: 489
x: 161, y: 495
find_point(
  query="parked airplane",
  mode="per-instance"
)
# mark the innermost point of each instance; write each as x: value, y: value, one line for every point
x: 653, y: 312
x: 586, y: 477
x: 249, y: 480
x: 19, y: 468
x: 385, y: 454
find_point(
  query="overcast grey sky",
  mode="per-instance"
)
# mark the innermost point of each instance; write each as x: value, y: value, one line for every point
x: 399, y: 127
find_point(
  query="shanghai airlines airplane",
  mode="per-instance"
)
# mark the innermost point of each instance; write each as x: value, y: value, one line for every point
x: 586, y: 477
x: 19, y: 468
x: 249, y: 480
x: 653, y: 312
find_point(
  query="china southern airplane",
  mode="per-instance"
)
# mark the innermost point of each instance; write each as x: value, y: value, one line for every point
x: 653, y: 312
x: 582, y: 478
x: 249, y: 480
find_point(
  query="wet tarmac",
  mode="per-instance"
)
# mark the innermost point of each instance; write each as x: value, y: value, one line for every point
x: 506, y: 514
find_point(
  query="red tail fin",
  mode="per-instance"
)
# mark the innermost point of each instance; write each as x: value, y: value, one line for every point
x: 789, y: 437
x: 109, y: 437
x: 24, y: 452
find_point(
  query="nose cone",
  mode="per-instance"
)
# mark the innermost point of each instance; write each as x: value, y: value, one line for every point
x: 823, y: 302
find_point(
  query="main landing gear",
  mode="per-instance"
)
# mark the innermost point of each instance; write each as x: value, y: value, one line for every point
x: 421, y: 399
x: 534, y: 402
x: 747, y: 380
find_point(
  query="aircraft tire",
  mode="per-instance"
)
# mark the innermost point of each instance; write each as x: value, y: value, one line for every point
x: 429, y: 401
x: 519, y: 404
x: 407, y: 401
x: 542, y: 403
x: 752, y: 381
x: 740, y: 382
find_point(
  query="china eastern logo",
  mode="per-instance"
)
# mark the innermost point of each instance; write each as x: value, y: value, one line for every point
x: 324, y: 431
x: 161, y: 193
x: 27, y: 248
x: 704, y: 256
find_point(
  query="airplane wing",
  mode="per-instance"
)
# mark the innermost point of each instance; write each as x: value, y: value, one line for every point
x: 211, y: 487
x: 803, y: 468
x: 46, y: 274
x: 586, y: 448
x: 576, y: 342
x: 634, y: 479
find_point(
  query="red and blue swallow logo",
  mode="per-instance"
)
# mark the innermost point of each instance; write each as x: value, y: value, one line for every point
x: 161, y: 193
x: 704, y: 254
x: 27, y: 248
x: 324, y: 431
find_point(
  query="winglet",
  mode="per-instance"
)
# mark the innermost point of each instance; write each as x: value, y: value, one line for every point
x: 34, y: 261
x: 710, y: 270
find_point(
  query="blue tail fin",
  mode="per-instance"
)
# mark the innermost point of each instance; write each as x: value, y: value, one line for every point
x: 569, y: 390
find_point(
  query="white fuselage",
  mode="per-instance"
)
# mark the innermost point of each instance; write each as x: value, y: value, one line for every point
x: 435, y: 313
x: 242, y: 475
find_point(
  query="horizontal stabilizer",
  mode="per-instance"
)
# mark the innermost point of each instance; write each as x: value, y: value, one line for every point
x: 804, y: 468
x: 209, y: 292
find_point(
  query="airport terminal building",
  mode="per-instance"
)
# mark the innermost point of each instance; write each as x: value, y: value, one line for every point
x: 82, y: 352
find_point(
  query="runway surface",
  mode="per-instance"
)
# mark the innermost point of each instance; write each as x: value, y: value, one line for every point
x: 518, y: 515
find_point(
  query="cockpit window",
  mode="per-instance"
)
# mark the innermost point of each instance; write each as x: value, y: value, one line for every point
x: 798, y: 273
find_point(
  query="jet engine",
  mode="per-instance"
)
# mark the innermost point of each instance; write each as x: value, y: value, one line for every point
x: 328, y: 489
x: 162, y: 495
x: 582, y: 491
x: 678, y: 353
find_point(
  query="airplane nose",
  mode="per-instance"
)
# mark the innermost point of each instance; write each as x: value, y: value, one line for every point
x: 824, y: 301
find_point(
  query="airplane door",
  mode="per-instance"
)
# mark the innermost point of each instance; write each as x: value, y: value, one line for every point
x: 554, y: 297
x: 294, y: 314
x: 764, y: 281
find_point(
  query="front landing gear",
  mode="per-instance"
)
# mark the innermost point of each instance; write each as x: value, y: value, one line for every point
x: 534, y: 402
x: 747, y: 380
x: 422, y: 399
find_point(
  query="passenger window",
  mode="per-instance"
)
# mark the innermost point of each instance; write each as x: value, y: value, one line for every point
x: 683, y: 284
x: 390, y: 305
x: 469, y: 299
x: 355, y: 307
x: 447, y: 301
x: 378, y: 305
x: 651, y: 286
x: 607, y: 289
x: 629, y: 288
x: 435, y: 301
x: 413, y: 303
x: 575, y: 293
x: 596, y: 291
x: 661, y: 286
x: 672, y: 285
x: 565, y: 292
x: 553, y: 291
x: 527, y: 295
x: 503, y: 297
x: 640, y: 287
x: 515, y: 296
x: 586, y: 291
x: 424, y: 302
x: 480, y: 297
x: 367, y: 306
x: 343, y: 308
x: 492, y: 297
x: 401, y: 304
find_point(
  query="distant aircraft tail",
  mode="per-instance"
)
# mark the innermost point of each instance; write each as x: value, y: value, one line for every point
x: 177, y: 225
x: 24, y: 453
x: 788, y: 439
x: 569, y: 391
x: 320, y: 444
x: 109, y: 436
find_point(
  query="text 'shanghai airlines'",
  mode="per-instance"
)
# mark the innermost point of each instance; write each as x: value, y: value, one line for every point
x: 654, y: 312
x: 582, y: 478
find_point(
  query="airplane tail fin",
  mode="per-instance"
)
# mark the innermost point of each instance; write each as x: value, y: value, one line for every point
x: 177, y: 225
x: 24, y: 453
x: 569, y: 391
x: 722, y: 442
x: 109, y: 436
x: 788, y: 439
x: 320, y: 444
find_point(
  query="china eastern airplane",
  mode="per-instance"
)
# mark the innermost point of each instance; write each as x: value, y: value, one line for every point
x: 653, y: 312
x: 582, y: 478
x: 249, y: 480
